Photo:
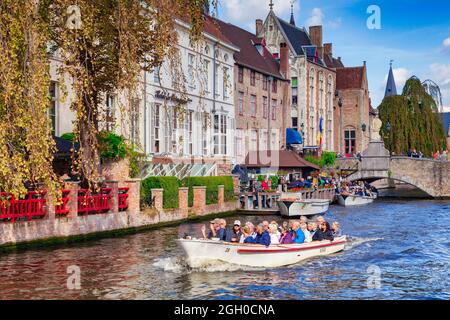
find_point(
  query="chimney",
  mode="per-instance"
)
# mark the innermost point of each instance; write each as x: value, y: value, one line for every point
x: 315, y: 33
x: 365, y: 63
x: 259, y: 25
x: 284, y: 60
x: 328, y: 49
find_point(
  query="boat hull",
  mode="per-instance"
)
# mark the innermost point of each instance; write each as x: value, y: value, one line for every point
x: 201, y: 252
x: 296, y: 208
x: 353, y: 200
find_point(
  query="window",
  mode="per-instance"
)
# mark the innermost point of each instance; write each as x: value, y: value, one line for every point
x: 53, y: 105
x: 156, y: 75
x: 274, y: 141
x: 189, y: 138
x: 205, y: 124
x: 265, y: 111
x: 253, y: 106
x: 206, y: 75
x: 311, y: 87
x: 239, y: 143
x: 254, y: 140
x: 241, y: 103
x: 274, y: 85
x: 350, y: 141
x: 321, y: 93
x: 252, y: 78
x: 216, y: 80
x: 226, y: 82
x: 191, y: 70
x: 135, y: 120
x: 263, y: 139
x: 295, y: 123
x: 294, y: 82
x: 156, y: 128
x: 220, y: 134
x: 265, y: 81
x: 241, y: 75
x: 294, y: 96
x: 274, y: 109
x: 110, y: 106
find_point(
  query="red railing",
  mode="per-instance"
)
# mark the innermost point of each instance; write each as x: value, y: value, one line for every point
x: 33, y: 205
x: 61, y: 208
x: 123, y: 199
x: 89, y: 203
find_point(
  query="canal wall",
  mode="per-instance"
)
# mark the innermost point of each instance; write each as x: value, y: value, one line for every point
x: 71, y: 227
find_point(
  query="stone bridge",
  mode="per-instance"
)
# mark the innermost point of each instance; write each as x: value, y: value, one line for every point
x: 430, y: 176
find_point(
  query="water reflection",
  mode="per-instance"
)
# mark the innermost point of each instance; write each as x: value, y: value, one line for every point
x: 414, y: 264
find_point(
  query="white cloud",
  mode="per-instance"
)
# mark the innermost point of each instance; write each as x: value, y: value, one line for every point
x: 316, y: 18
x: 244, y: 13
x: 446, y: 42
x: 336, y: 23
x: 400, y: 76
x: 440, y: 74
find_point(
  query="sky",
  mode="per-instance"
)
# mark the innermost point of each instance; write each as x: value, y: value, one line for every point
x: 414, y: 34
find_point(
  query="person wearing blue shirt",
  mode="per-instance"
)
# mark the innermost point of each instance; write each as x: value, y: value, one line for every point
x: 299, y: 235
x: 262, y: 236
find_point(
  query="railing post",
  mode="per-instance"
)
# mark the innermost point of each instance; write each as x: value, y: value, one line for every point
x: 157, y: 197
x: 199, y: 200
x: 221, y: 196
x: 72, y: 203
x: 114, y: 199
x: 134, y: 195
x: 236, y: 184
x: 50, y: 202
x: 183, y: 201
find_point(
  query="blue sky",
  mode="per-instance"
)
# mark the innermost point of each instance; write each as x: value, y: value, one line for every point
x: 415, y: 34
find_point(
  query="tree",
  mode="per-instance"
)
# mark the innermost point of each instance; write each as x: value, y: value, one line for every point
x: 104, y: 44
x: 414, y: 121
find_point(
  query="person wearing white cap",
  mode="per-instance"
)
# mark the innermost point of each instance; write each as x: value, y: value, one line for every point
x: 236, y: 235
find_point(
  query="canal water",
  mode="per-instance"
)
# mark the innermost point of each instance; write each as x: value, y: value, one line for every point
x: 398, y: 250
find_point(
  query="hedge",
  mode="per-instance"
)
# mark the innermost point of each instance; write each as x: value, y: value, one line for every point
x: 170, y: 194
x: 211, y: 184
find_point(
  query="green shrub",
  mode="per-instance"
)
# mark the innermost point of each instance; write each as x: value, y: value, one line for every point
x: 327, y: 159
x: 211, y: 184
x: 313, y: 160
x: 69, y: 136
x: 111, y: 146
x: 170, y: 194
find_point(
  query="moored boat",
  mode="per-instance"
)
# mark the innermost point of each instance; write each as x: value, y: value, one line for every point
x: 355, y: 200
x: 291, y: 205
x: 201, y: 252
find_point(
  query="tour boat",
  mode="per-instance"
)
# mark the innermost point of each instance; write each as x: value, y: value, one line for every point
x: 291, y: 205
x: 355, y: 200
x: 202, y: 252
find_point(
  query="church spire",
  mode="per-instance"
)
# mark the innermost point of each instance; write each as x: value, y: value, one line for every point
x: 271, y: 5
x: 391, y: 89
x: 292, y: 22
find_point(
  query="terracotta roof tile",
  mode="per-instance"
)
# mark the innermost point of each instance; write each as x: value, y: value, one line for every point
x: 349, y: 78
x: 281, y: 159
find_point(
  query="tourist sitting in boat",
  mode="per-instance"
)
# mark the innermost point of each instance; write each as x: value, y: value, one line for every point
x: 236, y: 232
x: 274, y: 234
x: 300, y: 183
x: 252, y: 229
x: 225, y: 234
x: 304, y: 228
x: 247, y: 234
x: 286, y: 237
x: 262, y: 236
x: 323, y: 233
x: 336, y: 228
x: 299, y: 235
x: 266, y: 224
x: 312, y: 228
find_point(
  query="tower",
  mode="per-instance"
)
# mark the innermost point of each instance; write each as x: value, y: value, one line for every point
x: 391, y: 88
x: 292, y: 21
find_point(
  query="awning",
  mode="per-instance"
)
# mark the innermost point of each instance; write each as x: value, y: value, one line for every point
x: 293, y: 137
x: 277, y: 158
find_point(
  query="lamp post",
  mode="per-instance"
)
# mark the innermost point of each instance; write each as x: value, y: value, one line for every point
x: 340, y: 104
x: 388, y: 129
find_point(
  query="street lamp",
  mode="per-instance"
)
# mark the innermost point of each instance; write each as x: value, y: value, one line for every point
x: 388, y: 129
x: 364, y: 127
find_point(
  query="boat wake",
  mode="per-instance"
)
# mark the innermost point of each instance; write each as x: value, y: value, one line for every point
x: 181, y: 266
x: 356, y: 241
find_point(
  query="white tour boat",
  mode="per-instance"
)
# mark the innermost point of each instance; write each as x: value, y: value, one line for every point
x: 355, y: 200
x: 201, y: 252
x: 292, y: 205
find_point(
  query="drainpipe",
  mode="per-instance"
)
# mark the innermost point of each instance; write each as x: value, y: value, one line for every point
x: 268, y: 111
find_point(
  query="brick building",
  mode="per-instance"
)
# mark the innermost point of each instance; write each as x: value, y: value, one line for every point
x: 261, y: 93
x: 352, y: 111
x: 312, y: 74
